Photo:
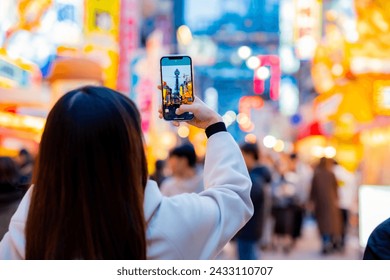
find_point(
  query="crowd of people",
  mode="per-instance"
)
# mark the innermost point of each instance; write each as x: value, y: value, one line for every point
x: 285, y: 191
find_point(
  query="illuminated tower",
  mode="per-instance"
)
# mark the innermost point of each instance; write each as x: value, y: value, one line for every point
x: 176, y: 92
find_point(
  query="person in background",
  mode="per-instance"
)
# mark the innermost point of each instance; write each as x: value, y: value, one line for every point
x: 92, y: 199
x: 268, y: 224
x: 347, y: 194
x: 159, y: 172
x: 26, y: 166
x: 284, y: 194
x: 185, y: 176
x: 324, y: 198
x: 10, y: 193
x: 251, y: 233
x: 300, y: 175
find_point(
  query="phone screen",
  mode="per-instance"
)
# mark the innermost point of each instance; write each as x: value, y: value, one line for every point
x: 176, y: 86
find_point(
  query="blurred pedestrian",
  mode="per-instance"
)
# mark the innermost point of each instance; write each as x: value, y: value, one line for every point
x: 10, y: 193
x: 268, y: 224
x: 347, y: 194
x: 91, y: 197
x: 283, y: 201
x: 159, y: 172
x: 299, y: 174
x: 324, y: 197
x: 251, y: 233
x: 25, y: 162
x: 185, y: 176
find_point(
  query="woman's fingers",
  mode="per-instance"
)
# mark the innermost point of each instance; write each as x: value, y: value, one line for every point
x: 176, y: 123
x: 185, y: 108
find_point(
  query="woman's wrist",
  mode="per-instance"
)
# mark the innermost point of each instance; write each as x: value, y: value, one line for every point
x: 215, y: 128
x: 216, y: 119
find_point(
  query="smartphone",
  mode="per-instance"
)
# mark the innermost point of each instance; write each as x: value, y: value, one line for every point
x: 177, y: 86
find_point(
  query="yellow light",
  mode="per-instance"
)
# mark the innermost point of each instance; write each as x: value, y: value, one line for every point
x: 5, y: 119
x: 168, y: 140
x: 337, y: 70
x: 242, y: 118
x: 250, y: 138
x: 184, y: 35
x: 317, y: 151
x: 162, y: 154
x: 330, y: 152
x: 22, y: 122
x: 183, y: 131
x: 33, y: 122
x: 247, y: 126
x: 365, y: 138
x: 279, y: 146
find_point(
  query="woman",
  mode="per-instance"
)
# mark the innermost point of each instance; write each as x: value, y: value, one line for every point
x: 91, y: 197
x: 325, y: 199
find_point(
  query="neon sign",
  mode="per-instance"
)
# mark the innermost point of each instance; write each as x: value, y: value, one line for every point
x: 245, y: 105
x: 273, y: 62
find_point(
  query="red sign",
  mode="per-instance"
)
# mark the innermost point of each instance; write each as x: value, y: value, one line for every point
x: 128, y: 41
x: 258, y: 84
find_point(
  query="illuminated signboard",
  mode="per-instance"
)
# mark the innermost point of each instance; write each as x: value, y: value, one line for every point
x: 128, y: 43
x: 307, y: 27
x: 273, y: 62
x: 246, y: 104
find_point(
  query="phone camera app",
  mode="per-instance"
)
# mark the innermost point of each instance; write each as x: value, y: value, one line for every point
x: 177, y: 88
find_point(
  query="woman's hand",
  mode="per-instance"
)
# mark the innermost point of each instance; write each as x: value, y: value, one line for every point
x: 204, y: 116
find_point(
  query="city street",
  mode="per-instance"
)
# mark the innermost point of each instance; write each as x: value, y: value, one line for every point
x: 307, y: 248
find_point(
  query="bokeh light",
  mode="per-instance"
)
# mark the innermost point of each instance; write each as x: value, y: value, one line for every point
x: 242, y: 118
x: 279, y: 146
x: 244, y: 52
x: 253, y: 62
x: 184, y: 35
x: 329, y: 152
x: 269, y: 141
x: 250, y: 138
x: 263, y: 73
x: 183, y: 131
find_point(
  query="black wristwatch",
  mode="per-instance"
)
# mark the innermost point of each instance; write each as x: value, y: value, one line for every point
x: 214, y: 128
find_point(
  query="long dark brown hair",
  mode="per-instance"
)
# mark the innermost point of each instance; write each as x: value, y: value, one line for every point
x: 89, y: 180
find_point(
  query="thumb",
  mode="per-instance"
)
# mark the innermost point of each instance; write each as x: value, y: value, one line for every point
x: 184, y: 108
